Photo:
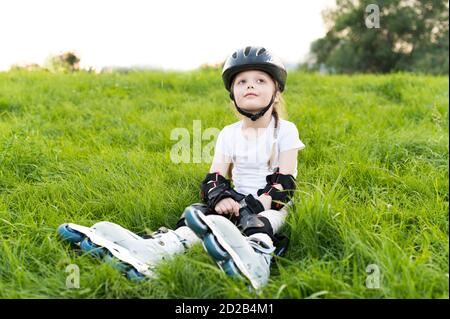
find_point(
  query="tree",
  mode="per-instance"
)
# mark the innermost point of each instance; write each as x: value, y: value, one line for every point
x: 66, y: 62
x: 412, y: 35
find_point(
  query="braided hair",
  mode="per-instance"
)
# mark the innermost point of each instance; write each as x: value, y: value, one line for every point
x: 278, y: 107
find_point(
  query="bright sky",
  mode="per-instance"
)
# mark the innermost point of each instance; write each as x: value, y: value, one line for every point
x: 168, y: 34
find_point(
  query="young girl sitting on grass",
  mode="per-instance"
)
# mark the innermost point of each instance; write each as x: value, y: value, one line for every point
x: 237, y: 224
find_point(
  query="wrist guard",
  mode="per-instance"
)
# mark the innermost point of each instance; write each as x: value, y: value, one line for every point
x: 215, y: 187
x: 254, y: 206
x: 285, y: 195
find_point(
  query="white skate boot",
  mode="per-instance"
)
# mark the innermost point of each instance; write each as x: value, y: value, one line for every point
x: 137, y: 256
x: 232, y: 251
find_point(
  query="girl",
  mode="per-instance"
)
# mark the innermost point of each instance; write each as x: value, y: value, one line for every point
x: 262, y: 151
x: 238, y: 225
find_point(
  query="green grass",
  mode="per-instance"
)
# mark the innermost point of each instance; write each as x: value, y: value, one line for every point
x: 372, y: 183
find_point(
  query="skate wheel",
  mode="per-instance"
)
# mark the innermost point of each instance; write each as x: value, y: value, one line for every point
x: 88, y: 246
x: 214, y: 249
x: 134, y: 275
x: 116, y: 263
x: 230, y: 268
x: 195, y: 223
x: 69, y: 235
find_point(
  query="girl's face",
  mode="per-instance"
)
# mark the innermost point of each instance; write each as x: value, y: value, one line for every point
x: 253, y: 89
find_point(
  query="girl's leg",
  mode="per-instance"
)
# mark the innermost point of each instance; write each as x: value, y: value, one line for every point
x: 269, y: 222
x: 189, y: 237
x: 234, y: 252
x: 275, y: 217
x: 204, y: 209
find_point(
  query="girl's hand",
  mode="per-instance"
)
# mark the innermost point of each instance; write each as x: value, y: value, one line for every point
x: 266, y: 200
x: 227, y: 206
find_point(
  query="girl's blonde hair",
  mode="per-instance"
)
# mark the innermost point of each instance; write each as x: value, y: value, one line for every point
x: 278, y: 112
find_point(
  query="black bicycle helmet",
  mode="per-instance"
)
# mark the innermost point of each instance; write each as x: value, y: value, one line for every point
x: 253, y: 58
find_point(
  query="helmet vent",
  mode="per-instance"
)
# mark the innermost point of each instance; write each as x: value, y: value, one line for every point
x: 234, y: 55
x: 247, y: 51
x: 260, y: 51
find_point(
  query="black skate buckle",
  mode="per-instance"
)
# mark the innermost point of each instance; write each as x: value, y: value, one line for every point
x: 281, y: 244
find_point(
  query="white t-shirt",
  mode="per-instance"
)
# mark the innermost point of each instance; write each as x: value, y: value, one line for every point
x: 250, y: 155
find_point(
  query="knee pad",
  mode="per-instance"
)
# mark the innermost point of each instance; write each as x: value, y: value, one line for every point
x: 200, y: 206
x: 252, y: 224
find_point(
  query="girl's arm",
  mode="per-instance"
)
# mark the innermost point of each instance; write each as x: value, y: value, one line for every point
x: 221, y: 164
x: 287, y: 162
x: 288, y: 159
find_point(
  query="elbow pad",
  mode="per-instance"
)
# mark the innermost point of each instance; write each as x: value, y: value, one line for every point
x: 285, y: 195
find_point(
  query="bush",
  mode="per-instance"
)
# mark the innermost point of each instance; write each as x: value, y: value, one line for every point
x: 64, y: 63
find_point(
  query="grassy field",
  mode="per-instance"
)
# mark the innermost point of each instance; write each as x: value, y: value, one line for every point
x: 372, y: 183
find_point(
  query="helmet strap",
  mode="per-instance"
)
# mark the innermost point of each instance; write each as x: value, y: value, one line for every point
x: 252, y: 116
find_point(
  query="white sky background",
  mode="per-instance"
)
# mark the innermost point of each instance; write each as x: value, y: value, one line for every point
x: 167, y: 34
